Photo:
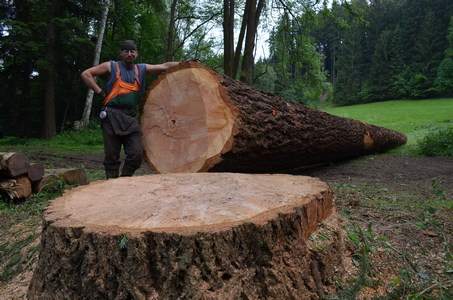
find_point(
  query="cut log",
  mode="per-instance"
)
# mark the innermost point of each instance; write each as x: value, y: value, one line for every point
x: 197, y: 120
x: 189, y: 236
x: 53, y: 177
x: 13, y: 164
x: 47, y: 182
x: 17, y: 188
x: 35, y: 172
x: 70, y: 176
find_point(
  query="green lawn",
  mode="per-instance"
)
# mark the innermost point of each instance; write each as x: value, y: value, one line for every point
x: 87, y: 141
x: 415, y: 118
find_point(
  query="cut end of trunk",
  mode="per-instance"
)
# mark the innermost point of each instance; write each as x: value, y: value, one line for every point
x: 13, y: 163
x: 18, y: 188
x: 187, y: 121
x: 190, y: 203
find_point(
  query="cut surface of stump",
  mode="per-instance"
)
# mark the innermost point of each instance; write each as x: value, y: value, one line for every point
x: 186, y: 203
x: 203, y: 235
x: 196, y: 120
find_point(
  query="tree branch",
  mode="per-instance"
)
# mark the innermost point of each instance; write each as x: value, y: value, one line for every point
x: 194, y: 30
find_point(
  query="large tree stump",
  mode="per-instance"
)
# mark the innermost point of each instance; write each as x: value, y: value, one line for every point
x: 189, y: 236
x: 196, y: 120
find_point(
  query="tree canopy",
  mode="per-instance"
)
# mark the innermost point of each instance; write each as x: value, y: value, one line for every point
x: 344, y: 51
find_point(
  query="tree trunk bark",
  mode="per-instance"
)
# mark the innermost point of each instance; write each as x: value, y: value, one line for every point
x: 238, y: 51
x: 228, y: 36
x: 20, y: 107
x: 171, y: 32
x: 49, y: 129
x: 197, y: 120
x: 247, y: 60
x: 191, y: 236
x: 97, y: 55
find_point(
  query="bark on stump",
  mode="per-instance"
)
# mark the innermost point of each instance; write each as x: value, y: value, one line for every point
x: 197, y: 120
x: 189, y: 236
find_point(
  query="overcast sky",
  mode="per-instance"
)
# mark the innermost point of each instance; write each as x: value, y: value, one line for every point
x: 262, y: 46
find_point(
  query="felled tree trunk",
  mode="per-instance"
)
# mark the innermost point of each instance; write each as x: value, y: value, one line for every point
x: 13, y: 164
x: 197, y: 120
x: 190, y: 236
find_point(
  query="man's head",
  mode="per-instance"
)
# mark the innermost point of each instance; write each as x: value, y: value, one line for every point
x: 128, y: 51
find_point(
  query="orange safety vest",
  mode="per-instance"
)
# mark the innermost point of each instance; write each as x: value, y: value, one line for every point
x: 121, y: 87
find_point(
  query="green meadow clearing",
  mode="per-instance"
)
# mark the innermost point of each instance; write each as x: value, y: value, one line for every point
x: 415, y: 118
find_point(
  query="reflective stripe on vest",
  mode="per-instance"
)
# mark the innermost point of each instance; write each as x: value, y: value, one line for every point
x: 121, y: 87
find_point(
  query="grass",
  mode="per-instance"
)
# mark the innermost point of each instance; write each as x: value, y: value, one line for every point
x: 415, y: 118
x: 88, y: 141
x: 19, y: 231
x: 409, y: 213
x: 19, y: 227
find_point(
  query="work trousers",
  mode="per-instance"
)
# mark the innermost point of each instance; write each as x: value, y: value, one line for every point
x: 113, y: 143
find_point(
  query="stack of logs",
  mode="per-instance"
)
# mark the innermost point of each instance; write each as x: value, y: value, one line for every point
x: 19, y: 178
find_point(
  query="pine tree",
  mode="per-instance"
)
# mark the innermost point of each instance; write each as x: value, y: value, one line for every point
x: 444, y: 79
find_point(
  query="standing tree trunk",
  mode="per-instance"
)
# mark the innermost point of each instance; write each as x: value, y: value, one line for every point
x: 252, y: 26
x: 197, y: 120
x: 238, y: 52
x: 171, y: 32
x: 97, y: 54
x: 18, y: 103
x: 228, y: 36
x: 49, y: 129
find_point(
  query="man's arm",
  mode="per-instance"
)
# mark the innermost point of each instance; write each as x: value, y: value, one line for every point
x: 88, y: 76
x: 157, y: 69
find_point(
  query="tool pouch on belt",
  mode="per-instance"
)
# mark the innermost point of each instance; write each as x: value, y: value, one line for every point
x: 120, y: 122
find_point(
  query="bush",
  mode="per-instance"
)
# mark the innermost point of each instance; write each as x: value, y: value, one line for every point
x: 444, y: 80
x: 437, y: 143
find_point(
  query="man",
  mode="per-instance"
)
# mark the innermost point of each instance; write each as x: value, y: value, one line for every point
x: 121, y: 96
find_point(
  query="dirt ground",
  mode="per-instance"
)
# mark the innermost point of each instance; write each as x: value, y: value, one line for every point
x: 398, y: 215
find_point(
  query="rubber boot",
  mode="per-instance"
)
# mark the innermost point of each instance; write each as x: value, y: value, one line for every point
x: 127, y: 171
x: 112, y: 174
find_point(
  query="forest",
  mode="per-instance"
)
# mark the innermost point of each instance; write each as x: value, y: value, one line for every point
x: 338, y: 52
x: 340, y: 111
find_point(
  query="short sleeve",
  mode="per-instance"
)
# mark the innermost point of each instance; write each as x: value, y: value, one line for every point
x: 142, y: 71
